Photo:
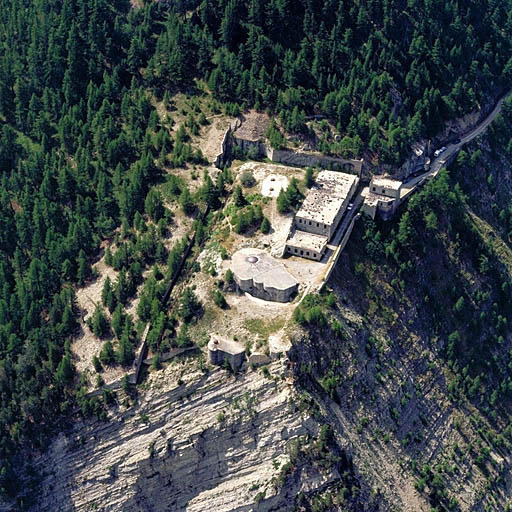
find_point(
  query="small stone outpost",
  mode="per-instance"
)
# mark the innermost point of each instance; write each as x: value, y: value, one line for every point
x: 382, y: 196
x: 221, y: 350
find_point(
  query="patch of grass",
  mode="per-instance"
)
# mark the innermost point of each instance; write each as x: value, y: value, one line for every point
x: 263, y: 327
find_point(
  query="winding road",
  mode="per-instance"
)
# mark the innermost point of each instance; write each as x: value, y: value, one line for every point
x: 451, y: 149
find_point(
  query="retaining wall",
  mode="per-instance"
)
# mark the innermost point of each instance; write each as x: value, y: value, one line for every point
x: 302, y: 159
x: 340, y: 248
x: 298, y: 158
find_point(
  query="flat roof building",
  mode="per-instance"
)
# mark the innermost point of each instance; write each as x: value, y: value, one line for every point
x: 382, y: 196
x: 385, y: 185
x: 306, y: 245
x: 326, y: 203
x: 261, y: 275
x: 221, y: 349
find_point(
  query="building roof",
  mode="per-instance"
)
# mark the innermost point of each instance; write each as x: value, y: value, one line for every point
x: 373, y: 199
x: 262, y: 269
x: 229, y: 347
x: 326, y: 197
x: 307, y: 241
x: 382, y: 180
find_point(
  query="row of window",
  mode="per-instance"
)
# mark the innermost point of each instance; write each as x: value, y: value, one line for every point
x: 309, y: 223
x: 296, y: 251
x: 375, y: 190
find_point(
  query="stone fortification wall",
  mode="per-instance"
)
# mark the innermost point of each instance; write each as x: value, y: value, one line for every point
x: 418, y: 159
x: 260, y: 148
x: 225, y: 150
x: 257, y: 289
x: 298, y: 158
x: 336, y: 256
x: 302, y: 159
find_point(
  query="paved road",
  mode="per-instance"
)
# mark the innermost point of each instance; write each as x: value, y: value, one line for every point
x: 439, y: 162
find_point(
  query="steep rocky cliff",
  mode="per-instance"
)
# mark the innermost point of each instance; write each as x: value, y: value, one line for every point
x: 202, y: 441
x: 413, y: 358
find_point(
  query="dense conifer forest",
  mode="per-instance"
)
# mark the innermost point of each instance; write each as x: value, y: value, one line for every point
x: 81, y: 143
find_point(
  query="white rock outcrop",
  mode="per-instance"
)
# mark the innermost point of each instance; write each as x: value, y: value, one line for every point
x: 209, y: 444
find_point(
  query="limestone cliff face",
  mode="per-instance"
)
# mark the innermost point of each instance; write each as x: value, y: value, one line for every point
x: 212, y: 443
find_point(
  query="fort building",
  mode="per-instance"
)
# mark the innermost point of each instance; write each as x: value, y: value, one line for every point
x: 382, y: 196
x: 326, y: 203
x: 221, y: 350
x: 320, y: 214
x: 307, y: 245
x: 262, y: 276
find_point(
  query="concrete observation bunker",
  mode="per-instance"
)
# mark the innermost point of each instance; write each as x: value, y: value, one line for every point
x: 262, y: 276
x: 221, y: 350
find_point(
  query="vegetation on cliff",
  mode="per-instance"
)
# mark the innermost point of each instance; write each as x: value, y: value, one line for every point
x: 87, y: 131
x: 417, y: 349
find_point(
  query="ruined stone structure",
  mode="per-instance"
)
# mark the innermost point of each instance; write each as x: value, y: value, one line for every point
x: 311, y: 159
x: 262, y: 276
x: 320, y: 214
x: 418, y: 161
x: 221, y: 350
x: 382, y: 196
x: 249, y: 134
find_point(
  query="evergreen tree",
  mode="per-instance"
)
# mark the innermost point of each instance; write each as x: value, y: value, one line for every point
x: 107, y: 353
x: 98, y: 322
x: 265, y: 226
x: 186, y: 202
x: 283, y: 202
x: 189, y: 305
x: 308, y: 178
x: 238, y: 197
x: 84, y: 269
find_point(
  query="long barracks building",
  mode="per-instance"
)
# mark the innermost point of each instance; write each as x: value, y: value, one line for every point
x: 321, y: 213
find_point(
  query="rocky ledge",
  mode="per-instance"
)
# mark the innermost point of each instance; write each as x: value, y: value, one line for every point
x: 210, y: 441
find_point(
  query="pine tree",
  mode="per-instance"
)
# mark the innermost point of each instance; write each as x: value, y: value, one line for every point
x: 238, y: 197
x: 265, y: 226
x: 125, y: 354
x: 189, y: 305
x: 65, y: 371
x: 283, y: 202
x: 99, y: 323
x: 153, y: 205
x: 185, y: 202
x: 118, y: 318
x: 308, y: 178
x: 106, y: 292
x: 84, y: 269
x: 107, y: 353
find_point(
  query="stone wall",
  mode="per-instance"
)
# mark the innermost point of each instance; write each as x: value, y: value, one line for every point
x: 418, y: 159
x: 260, y: 148
x: 302, y: 159
x: 336, y: 255
x: 225, y: 150
x: 259, y: 291
x: 298, y: 158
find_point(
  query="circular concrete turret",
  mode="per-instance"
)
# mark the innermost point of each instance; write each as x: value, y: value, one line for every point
x: 261, y: 275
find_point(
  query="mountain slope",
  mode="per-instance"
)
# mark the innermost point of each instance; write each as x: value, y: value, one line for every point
x: 420, y: 374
